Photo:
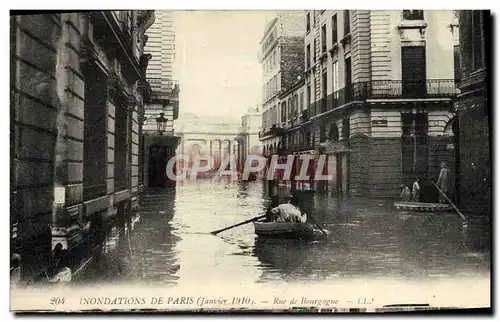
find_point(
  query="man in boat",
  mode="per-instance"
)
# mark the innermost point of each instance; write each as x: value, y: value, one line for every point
x: 275, y: 201
x: 289, y: 212
x: 405, y: 193
x: 443, y: 182
x: 416, y: 190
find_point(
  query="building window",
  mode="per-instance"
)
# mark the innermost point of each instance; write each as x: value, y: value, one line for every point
x: 283, y: 112
x: 335, y: 79
x: 95, y: 135
x: 322, y: 133
x: 346, y: 128
x: 334, y: 30
x: 348, y: 79
x: 413, y: 15
x: 323, y: 38
x: 308, y: 139
x: 415, y: 147
x: 413, y: 71
x: 308, y: 22
x: 347, y: 22
x: 301, y: 102
x: 314, y: 50
x: 120, y: 162
x: 308, y: 56
x: 141, y: 158
x: 456, y: 61
x: 333, y: 135
x: 308, y: 95
x: 325, y: 92
x: 477, y: 39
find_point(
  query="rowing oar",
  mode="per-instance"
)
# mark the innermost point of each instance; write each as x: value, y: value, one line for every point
x: 451, y: 203
x: 241, y: 223
x: 317, y: 225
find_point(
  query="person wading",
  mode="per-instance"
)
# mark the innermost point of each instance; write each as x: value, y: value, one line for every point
x: 289, y: 212
x: 443, y: 182
x: 405, y: 193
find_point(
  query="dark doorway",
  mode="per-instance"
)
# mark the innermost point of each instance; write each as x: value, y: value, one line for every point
x: 158, y: 159
x: 413, y: 71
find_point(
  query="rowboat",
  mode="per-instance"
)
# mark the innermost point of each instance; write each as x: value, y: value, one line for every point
x: 286, y: 230
x: 422, y: 206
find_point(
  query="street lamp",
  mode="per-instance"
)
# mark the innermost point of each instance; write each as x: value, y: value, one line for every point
x: 161, y: 123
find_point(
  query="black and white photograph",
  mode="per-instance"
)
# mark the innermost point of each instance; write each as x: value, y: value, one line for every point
x: 250, y: 160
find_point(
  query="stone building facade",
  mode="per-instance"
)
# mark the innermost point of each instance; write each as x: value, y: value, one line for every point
x: 158, y: 147
x: 281, y: 57
x: 78, y: 88
x: 474, y: 158
x: 379, y: 87
x: 248, y: 137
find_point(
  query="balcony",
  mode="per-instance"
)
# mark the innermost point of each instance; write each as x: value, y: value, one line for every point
x: 163, y: 88
x: 383, y: 90
x: 274, y: 130
x: 432, y: 88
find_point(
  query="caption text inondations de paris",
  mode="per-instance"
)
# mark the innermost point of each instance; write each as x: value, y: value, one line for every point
x: 220, y: 301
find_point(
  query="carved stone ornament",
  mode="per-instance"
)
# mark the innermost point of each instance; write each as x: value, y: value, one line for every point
x: 144, y: 61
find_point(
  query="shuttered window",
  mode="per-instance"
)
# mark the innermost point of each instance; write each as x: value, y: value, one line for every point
x: 413, y: 71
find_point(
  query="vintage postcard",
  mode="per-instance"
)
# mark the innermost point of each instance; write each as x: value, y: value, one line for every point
x: 264, y: 161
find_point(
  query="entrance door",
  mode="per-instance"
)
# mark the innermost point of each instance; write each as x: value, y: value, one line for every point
x: 158, y: 159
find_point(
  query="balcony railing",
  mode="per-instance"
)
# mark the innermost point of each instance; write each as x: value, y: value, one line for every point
x: 163, y: 88
x: 274, y: 130
x: 432, y: 88
x: 397, y: 89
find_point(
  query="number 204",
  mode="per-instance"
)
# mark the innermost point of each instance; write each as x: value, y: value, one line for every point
x: 56, y: 300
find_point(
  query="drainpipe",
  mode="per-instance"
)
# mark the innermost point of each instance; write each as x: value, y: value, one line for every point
x: 57, y: 91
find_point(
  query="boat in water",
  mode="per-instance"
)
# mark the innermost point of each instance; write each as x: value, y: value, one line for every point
x: 287, y: 230
x: 422, y: 206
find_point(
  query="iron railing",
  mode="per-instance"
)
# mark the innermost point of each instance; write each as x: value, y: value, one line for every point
x: 161, y: 84
x: 273, y: 130
x: 393, y: 89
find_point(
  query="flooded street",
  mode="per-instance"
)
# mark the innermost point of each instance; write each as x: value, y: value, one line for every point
x: 169, y: 243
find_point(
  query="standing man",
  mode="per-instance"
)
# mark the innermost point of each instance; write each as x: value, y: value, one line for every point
x: 416, y: 190
x: 443, y: 182
x: 289, y: 212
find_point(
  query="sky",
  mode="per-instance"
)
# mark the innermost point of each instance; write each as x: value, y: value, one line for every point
x: 216, y: 61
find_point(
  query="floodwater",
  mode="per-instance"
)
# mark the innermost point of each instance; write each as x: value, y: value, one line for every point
x: 168, y: 242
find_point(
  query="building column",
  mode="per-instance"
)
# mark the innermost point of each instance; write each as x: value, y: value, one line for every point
x: 65, y: 226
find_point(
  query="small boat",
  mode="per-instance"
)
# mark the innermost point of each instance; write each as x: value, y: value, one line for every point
x: 286, y: 230
x: 422, y: 206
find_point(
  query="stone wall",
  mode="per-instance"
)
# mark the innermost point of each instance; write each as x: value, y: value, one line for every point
x: 292, y: 61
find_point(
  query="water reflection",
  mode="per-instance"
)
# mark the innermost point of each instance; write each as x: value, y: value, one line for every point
x: 169, y: 241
